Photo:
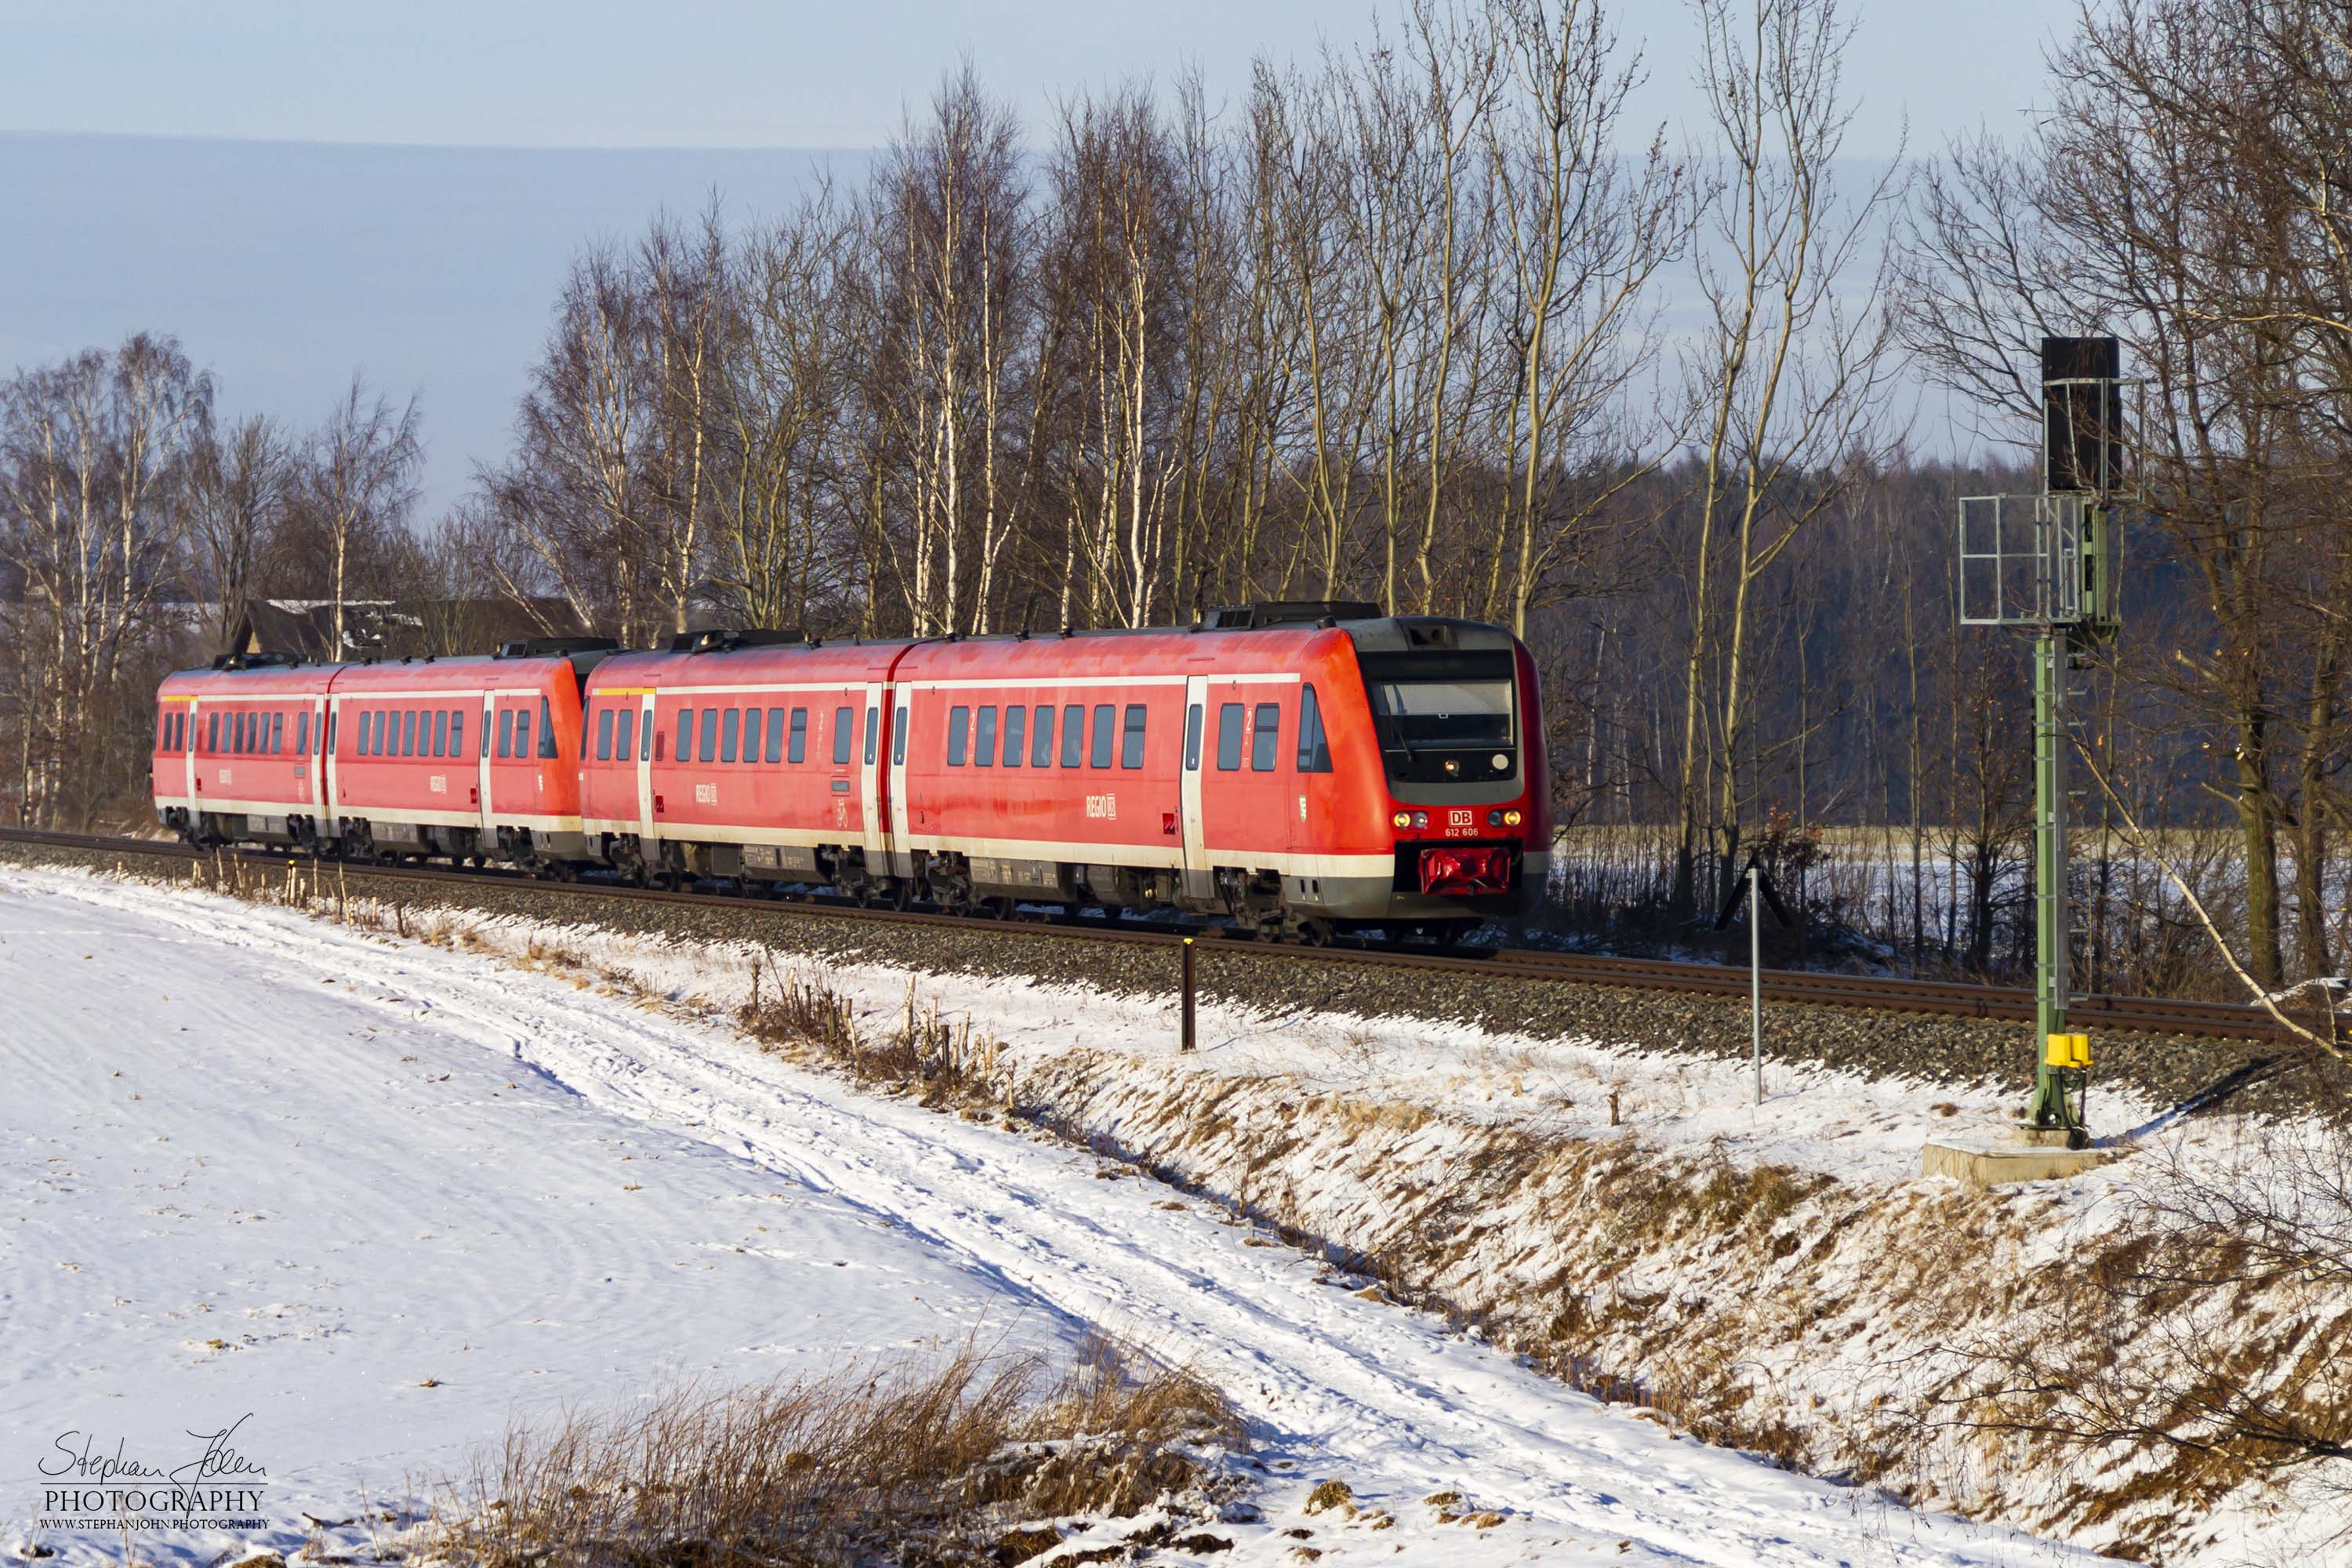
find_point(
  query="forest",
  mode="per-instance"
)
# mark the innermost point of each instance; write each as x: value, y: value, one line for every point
x: 1430, y: 320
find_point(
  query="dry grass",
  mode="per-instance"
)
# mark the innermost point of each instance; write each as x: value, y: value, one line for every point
x: 960, y: 1460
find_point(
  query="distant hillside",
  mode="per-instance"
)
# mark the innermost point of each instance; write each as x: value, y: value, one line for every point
x: 284, y: 265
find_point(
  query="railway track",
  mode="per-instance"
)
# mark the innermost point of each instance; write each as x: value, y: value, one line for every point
x: 2140, y: 1014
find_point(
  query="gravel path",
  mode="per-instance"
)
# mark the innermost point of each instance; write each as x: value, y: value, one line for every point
x: 2240, y: 1075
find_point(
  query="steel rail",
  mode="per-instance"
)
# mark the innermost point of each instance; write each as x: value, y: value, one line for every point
x: 2139, y: 1014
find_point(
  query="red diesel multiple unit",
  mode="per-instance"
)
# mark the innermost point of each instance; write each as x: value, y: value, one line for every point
x: 1300, y: 768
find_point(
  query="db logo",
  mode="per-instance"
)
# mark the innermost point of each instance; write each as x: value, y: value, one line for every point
x: 439, y: 782
x: 1460, y: 818
x: 705, y: 794
x: 1104, y: 806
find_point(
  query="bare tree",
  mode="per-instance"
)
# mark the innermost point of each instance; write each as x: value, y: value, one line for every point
x: 359, y: 484
x: 240, y: 481
x: 1789, y: 379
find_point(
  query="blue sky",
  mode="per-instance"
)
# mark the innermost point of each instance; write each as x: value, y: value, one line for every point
x: 298, y: 191
x: 728, y: 73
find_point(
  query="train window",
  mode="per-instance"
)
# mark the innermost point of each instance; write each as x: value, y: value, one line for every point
x: 1099, y: 754
x: 301, y: 734
x: 624, y: 746
x: 1314, y: 749
x: 1016, y: 734
x: 605, y: 735
x: 709, y: 749
x: 456, y: 731
x: 211, y: 734
x: 983, y: 743
x: 1266, y: 739
x: 1192, y: 739
x: 1130, y: 747
x: 163, y: 730
x: 441, y: 732
x: 845, y: 735
x: 360, y: 742
x: 899, y: 737
x: 648, y: 744
x: 523, y: 732
x: 959, y: 726
x: 1041, y: 741
x: 684, y: 734
x: 798, y: 750
x: 408, y: 731
x: 1229, y: 737
x: 329, y: 747
x: 546, y: 730
x: 775, y: 734
x: 278, y: 731
x: 751, y: 734
x: 506, y: 731
x: 731, y: 732
x: 239, y: 726
x: 248, y: 739
x: 873, y: 732
x: 1074, y: 735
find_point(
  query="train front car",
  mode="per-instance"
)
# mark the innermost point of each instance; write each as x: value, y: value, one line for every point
x: 1456, y: 783
x: 1430, y: 811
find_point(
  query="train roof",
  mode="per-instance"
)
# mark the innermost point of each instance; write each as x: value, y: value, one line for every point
x: 236, y: 674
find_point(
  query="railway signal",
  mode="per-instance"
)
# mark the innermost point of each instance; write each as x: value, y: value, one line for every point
x: 2049, y: 565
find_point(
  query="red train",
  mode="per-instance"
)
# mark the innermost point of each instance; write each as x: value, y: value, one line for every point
x: 1301, y: 768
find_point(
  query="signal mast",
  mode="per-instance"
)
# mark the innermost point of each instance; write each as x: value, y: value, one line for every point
x: 2049, y: 565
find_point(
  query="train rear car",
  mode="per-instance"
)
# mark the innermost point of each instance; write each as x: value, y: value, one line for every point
x: 238, y: 751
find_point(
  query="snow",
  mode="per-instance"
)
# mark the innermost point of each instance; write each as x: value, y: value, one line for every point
x: 361, y: 1164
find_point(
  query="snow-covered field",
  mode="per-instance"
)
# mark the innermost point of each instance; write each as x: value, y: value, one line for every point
x: 375, y: 1197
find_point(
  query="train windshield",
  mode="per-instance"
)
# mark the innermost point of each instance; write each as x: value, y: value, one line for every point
x: 1431, y: 707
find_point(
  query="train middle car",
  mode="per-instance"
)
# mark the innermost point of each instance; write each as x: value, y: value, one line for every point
x: 1301, y: 769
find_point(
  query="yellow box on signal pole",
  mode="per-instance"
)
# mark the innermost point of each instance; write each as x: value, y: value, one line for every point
x: 2068, y: 1051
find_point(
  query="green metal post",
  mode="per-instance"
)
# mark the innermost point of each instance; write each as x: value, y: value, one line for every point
x: 2050, y: 931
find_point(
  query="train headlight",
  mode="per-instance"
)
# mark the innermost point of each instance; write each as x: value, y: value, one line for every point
x: 1452, y: 765
x: 1402, y: 819
x: 1421, y: 819
x: 1502, y: 762
x: 1511, y: 819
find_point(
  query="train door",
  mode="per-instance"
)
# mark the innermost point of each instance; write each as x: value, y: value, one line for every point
x: 875, y: 833
x: 1199, y: 883
x: 902, y: 857
x: 646, y: 767
x: 329, y: 772
x: 188, y: 754
x: 314, y: 766
x: 482, y: 767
